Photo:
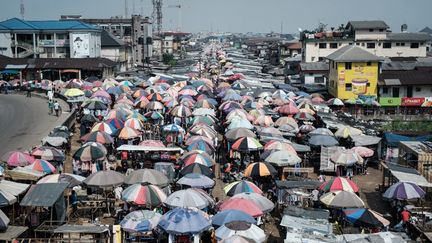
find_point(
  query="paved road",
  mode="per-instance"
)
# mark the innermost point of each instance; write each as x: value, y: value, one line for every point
x: 24, y: 121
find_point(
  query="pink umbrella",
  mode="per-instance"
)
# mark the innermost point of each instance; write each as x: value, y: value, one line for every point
x: 288, y: 109
x: 242, y: 204
x: 17, y: 158
x: 363, y: 151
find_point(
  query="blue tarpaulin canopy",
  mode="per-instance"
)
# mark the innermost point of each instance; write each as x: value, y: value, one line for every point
x: 393, y: 139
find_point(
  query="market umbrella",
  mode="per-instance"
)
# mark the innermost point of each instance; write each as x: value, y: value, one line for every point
x: 347, y: 131
x: 242, y: 204
x: 133, y: 123
x: 202, y: 145
x: 262, y: 202
x: 17, y: 158
x: 241, y: 228
x: 239, y: 122
x: 181, y: 111
x: 154, y: 105
x: 246, y: 144
x: 195, y: 138
x: 342, y: 199
x: 335, y: 102
x: 303, y: 116
x: 363, y: 151
x: 95, y: 105
x: 127, y: 133
x: 42, y: 166
x: 279, y: 145
x: 365, y: 217
x: 198, y: 157
x: 180, y: 221
x: 237, y: 239
x: 187, y: 198
x: 322, y: 140
x: 404, y: 191
x: 241, y: 186
x: 288, y: 109
x: 104, y: 179
x: 152, y: 143
x: 260, y: 169
x: 197, y: 168
x: 208, y: 120
x: 151, y: 176
x: 144, y: 195
x: 4, y: 221
x: 339, y: 184
x: 140, y: 221
x: 284, y: 120
x: 306, y: 128
x: 74, y: 92
x: 237, y: 133
x: 90, y: 151
x: 196, y: 180
x: 48, y: 153
x: 283, y: 158
x: 346, y: 157
x: 203, y: 112
x: 70, y: 179
x: 264, y: 121
x: 89, y: 118
x: 230, y: 215
x: 97, y: 136
x: 103, y: 127
x: 322, y: 131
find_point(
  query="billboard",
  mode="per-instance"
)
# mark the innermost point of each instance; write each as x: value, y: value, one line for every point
x: 384, y: 101
x: 80, y: 45
x: 412, y: 101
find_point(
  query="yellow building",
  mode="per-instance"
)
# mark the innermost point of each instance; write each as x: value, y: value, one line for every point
x: 353, y: 72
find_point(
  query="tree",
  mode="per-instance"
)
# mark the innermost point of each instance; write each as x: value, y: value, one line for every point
x: 168, y: 59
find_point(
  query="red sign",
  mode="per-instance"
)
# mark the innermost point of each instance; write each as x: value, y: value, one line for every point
x: 411, y: 101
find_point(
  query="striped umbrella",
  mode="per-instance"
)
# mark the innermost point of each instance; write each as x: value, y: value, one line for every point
x: 260, y: 169
x: 285, y: 120
x: 139, y: 93
x: 278, y: 145
x: 136, y: 115
x: 155, y: 97
x: 100, y: 137
x: 204, y: 103
x: 115, y: 123
x: 142, y: 102
x: 154, y: 115
x: 342, y: 199
x: 181, y: 111
x: 118, y: 113
x: 335, y: 102
x: 71, y: 179
x: 208, y: 120
x: 305, y: 128
x: 127, y: 133
x: 17, y: 158
x: 346, y: 157
x: 42, y: 166
x: 339, y: 184
x: 94, y: 105
x: 242, y: 204
x: 288, y: 109
x: 202, y: 145
x: 140, y: 221
x: 365, y: 217
x: 197, y: 157
x: 90, y: 152
x: 264, y: 121
x: 303, y: 116
x: 48, y: 153
x: 404, y: 191
x: 187, y: 198
x: 144, y: 195
x: 196, y: 138
x: 247, y: 144
x: 154, y: 105
x: 188, y: 91
x: 103, y: 127
x: 237, y: 133
x: 203, y: 130
x: 283, y: 158
x: 133, y: 123
x: 240, y: 187
x: 197, y: 168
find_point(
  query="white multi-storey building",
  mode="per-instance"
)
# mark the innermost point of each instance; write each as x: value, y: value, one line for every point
x: 373, y: 36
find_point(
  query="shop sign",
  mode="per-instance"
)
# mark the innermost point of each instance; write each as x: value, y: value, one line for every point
x: 412, y: 101
x: 390, y: 101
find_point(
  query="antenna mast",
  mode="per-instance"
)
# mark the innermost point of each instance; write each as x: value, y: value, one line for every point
x: 22, y: 9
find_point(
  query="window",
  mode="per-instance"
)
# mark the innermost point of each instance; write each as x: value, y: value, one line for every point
x: 400, y: 43
x: 368, y: 84
x: 333, y: 45
x: 418, y: 89
x: 371, y: 30
x: 381, y: 30
x: 320, y: 59
x: 362, y: 44
x: 60, y: 36
x: 348, y: 66
x: 312, y: 59
x: 333, y: 64
x: 387, y: 45
x: 357, y: 43
x: 385, y: 90
x: 319, y: 80
x: 415, y: 45
x: 368, y: 64
x: 322, y: 45
x: 371, y: 45
x: 350, y: 43
x: 348, y: 87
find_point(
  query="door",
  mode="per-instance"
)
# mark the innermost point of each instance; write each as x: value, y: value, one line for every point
x: 409, y: 91
x: 395, y: 92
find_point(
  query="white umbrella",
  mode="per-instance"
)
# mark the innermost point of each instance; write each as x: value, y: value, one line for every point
x: 241, y: 228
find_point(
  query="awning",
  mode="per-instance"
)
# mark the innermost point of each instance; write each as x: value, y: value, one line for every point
x: 13, y: 188
x: 43, y: 195
x: 10, y: 71
x: 83, y: 229
x: 17, y: 67
x: 70, y: 71
x: 405, y: 174
x: 126, y: 147
x: 310, y: 213
x: 306, y: 225
x: 12, y: 232
x: 307, y: 184
x: 365, y: 140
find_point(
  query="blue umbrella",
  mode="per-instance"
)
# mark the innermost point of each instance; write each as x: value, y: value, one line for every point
x: 115, y: 90
x: 180, y: 221
x: 404, y: 191
x: 231, y: 215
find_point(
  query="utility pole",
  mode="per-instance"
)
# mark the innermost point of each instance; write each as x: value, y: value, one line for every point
x: 22, y: 9
x: 126, y: 8
x: 157, y: 15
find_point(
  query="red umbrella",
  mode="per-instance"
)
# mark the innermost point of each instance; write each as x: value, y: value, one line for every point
x: 289, y: 109
x: 241, y: 204
x: 339, y: 184
x: 17, y: 158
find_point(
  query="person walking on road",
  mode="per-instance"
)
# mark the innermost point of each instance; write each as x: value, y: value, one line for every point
x: 56, y: 108
x: 51, y: 107
x: 29, y: 91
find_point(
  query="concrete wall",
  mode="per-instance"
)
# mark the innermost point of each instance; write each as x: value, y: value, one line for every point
x: 417, y: 90
x: 5, y: 43
x: 366, y: 35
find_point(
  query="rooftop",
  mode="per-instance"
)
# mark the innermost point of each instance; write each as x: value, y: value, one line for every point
x: 352, y: 53
x: 15, y: 24
x: 314, y: 66
x: 109, y: 40
x: 367, y: 24
x: 409, y: 37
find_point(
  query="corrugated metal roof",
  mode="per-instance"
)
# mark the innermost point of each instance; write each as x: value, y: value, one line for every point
x: 314, y: 66
x: 408, y: 37
x: 368, y: 24
x: 16, y: 24
x: 43, y: 195
x: 352, y: 53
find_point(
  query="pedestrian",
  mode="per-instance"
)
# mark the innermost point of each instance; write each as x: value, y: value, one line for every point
x: 29, y: 91
x: 50, y: 107
x: 56, y: 108
x: 50, y: 94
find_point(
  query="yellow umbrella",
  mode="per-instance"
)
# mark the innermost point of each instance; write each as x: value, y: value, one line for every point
x: 347, y: 131
x: 73, y: 92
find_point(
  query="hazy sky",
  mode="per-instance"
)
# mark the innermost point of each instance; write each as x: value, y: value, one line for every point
x: 238, y: 15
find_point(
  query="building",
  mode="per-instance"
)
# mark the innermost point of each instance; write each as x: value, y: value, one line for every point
x: 314, y: 73
x: 51, y: 39
x: 290, y: 49
x: 115, y: 50
x: 406, y: 83
x: 372, y: 36
x: 353, y: 72
x: 136, y: 33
